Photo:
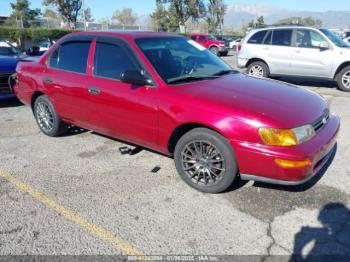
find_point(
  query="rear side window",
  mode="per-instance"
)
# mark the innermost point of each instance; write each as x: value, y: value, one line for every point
x: 268, y: 38
x: 282, y: 37
x: 111, y: 61
x: 193, y: 38
x: 71, y: 56
x: 258, y: 37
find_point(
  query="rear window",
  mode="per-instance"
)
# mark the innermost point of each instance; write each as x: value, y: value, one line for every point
x: 258, y: 37
x: 71, y: 56
x: 282, y: 37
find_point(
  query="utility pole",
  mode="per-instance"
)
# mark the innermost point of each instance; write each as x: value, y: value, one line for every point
x: 84, y: 17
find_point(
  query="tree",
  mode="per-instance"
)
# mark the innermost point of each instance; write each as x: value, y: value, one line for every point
x: 260, y: 22
x: 216, y: 10
x: 69, y: 9
x: 307, y: 21
x: 163, y: 18
x: 182, y: 10
x: 21, y: 11
x: 49, y: 13
x: 88, y: 15
x: 125, y: 16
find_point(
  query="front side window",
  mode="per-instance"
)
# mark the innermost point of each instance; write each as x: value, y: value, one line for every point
x: 258, y: 37
x: 282, y: 37
x: 176, y: 58
x: 71, y: 56
x: 309, y: 39
x: 111, y: 61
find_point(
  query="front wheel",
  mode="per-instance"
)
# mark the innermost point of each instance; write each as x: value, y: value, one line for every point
x: 343, y: 79
x: 214, y: 50
x: 48, y: 120
x: 258, y: 69
x: 204, y: 159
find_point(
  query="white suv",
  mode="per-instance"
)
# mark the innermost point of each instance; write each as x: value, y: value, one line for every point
x: 296, y: 51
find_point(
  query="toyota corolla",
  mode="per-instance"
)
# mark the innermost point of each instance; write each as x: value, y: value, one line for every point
x: 168, y: 93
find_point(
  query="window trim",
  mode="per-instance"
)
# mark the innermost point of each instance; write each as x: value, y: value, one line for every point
x: 314, y: 31
x: 261, y: 43
x: 65, y: 41
x: 291, y: 38
x: 125, y: 46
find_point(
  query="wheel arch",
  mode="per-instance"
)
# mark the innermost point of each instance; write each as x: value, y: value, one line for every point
x: 182, y: 129
x: 252, y: 60
x: 35, y: 95
x: 340, y: 68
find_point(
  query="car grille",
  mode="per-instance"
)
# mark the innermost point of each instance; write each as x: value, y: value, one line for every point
x: 322, y: 121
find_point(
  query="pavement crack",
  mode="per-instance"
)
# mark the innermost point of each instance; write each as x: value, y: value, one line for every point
x: 11, y: 231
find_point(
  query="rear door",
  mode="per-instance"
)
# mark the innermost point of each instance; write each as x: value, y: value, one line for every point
x: 119, y: 109
x: 310, y: 58
x: 66, y: 79
x: 278, y: 47
x: 203, y: 40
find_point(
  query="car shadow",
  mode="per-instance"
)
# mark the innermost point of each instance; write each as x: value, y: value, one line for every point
x: 306, y: 186
x: 74, y: 130
x: 9, y: 101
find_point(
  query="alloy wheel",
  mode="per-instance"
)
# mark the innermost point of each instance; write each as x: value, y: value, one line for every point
x: 256, y: 71
x: 45, y: 116
x: 346, y: 79
x: 203, y: 163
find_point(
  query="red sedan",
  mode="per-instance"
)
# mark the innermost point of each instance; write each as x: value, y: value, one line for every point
x: 169, y: 94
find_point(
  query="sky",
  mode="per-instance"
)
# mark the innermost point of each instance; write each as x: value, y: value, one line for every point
x: 105, y: 8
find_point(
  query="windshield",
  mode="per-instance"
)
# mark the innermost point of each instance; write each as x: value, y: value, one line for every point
x: 211, y: 37
x: 334, y: 38
x: 178, y: 58
x: 8, y: 50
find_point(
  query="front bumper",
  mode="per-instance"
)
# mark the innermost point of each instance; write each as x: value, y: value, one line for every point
x: 257, y: 162
x: 5, y: 88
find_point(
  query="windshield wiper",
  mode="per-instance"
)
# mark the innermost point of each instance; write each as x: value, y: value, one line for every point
x: 224, y: 72
x: 188, y: 79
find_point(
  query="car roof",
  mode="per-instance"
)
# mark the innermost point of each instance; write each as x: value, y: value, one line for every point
x: 285, y: 27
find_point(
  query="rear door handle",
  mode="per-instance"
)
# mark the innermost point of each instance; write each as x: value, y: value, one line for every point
x: 94, y: 90
x: 48, y: 80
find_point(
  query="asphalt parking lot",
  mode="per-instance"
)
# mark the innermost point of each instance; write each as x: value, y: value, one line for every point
x: 78, y: 195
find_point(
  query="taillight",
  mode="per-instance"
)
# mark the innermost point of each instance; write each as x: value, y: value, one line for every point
x: 238, y: 47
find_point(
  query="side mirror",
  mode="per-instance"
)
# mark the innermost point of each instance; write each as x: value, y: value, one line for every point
x: 135, y: 78
x: 324, y: 46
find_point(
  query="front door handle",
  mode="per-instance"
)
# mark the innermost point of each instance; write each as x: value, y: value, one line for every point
x: 48, y: 80
x: 94, y: 90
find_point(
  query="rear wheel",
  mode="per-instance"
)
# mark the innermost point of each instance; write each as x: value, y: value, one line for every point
x: 46, y: 117
x: 343, y: 79
x: 204, y: 159
x: 258, y: 69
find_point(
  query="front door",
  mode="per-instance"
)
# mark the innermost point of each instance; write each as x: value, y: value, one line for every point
x: 311, y: 57
x: 119, y: 109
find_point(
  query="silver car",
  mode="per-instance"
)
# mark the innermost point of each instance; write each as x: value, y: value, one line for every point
x: 296, y: 51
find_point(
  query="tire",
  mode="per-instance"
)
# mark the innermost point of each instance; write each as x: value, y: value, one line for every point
x: 258, y: 69
x: 194, y: 168
x: 343, y: 79
x: 47, y: 119
x: 214, y: 50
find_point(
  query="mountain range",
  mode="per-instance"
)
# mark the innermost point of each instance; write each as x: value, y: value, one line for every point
x: 240, y: 14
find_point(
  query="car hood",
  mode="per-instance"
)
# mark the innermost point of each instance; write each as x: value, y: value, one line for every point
x: 8, y: 64
x: 266, y: 102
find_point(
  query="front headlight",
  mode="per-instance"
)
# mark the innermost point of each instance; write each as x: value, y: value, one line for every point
x: 286, y: 137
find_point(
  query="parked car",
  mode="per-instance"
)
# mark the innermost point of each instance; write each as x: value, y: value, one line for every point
x: 234, y: 44
x: 45, y: 45
x: 217, y: 47
x: 347, y: 40
x: 296, y: 51
x: 170, y: 94
x: 9, y: 56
